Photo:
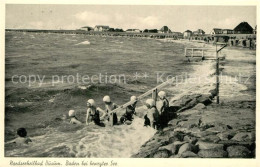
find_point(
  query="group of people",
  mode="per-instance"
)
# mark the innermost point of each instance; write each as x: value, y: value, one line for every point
x: 155, y: 115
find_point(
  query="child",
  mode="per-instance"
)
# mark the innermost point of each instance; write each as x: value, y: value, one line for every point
x: 110, y: 106
x: 130, y: 110
x: 22, y: 139
x: 73, y: 118
x: 152, y: 116
x: 93, y: 113
x: 162, y: 106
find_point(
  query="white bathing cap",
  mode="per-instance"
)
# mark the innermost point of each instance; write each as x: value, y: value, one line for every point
x: 133, y: 98
x: 162, y: 94
x: 106, y: 99
x: 92, y: 102
x: 151, y: 102
x: 71, y: 113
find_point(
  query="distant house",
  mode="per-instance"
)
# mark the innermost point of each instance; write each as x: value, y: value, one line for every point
x: 243, y: 28
x: 187, y: 34
x: 165, y: 29
x: 87, y: 28
x: 133, y: 30
x: 216, y: 31
x: 178, y: 34
x: 119, y: 30
x: 150, y: 31
x: 101, y: 28
x: 227, y: 31
x: 199, y: 32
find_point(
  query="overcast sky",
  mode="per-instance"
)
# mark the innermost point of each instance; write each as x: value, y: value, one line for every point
x: 177, y: 18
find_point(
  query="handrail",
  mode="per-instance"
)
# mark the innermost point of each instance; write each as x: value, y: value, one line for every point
x: 145, y: 94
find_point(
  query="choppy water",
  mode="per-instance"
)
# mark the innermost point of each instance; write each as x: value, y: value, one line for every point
x: 61, y: 54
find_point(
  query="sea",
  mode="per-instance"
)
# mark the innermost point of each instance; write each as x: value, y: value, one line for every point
x: 48, y: 74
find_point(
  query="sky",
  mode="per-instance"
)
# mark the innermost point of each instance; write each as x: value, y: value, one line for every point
x: 177, y: 18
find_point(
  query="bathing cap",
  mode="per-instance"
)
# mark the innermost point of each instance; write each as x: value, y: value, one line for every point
x: 106, y: 99
x: 162, y: 94
x: 71, y: 113
x: 133, y: 98
x: 92, y: 102
x: 150, y: 102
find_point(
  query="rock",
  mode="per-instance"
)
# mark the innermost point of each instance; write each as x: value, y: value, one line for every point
x: 169, y: 147
x: 206, y: 145
x: 161, y: 154
x: 177, y: 145
x: 205, y: 99
x: 190, y: 123
x: 189, y: 154
x: 212, y: 153
x: 199, y: 106
x: 190, y: 112
x: 204, y: 133
x: 189, y: 139
x: 211, y: 138
x: 238, y: 152
x: 187, y: 147
x: 227, y: 135
x: 244, y: 136
x: 175, y: 156
x: 217, y: 128
x: 174, y: 122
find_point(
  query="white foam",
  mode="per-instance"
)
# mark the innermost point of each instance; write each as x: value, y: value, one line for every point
x: 83, y: 43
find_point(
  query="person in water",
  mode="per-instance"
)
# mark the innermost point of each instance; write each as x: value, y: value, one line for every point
x: 130, y: 111
x: 22, y: 138
x: 73, y: 118
x: 110, y: 106
x: 162, y: 106
x: 93, y: 113
x: 152, y: 116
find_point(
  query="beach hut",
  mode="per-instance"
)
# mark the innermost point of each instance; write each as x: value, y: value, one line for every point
x: 243, y: 28
x: 227, y: 31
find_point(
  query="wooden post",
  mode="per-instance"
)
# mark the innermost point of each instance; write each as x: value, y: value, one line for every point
x: 217, y: 76
x: 154, y: 95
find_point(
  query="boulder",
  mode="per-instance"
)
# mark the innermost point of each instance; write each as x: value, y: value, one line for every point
x: 189, y: 139
x: 188, y: 154
x: 177, y: 145
x: 238, y: 152
x: 190, y: 112
x: 187, y: 147
x: 174, y: 122
x: 199, y: 106
x: 170, y: 147
x: 212, y: 153
x: 207, y: 145
x: 211, y: 138
x: 244, y: 136
x: 190, y: 123
x: 161, y: 154
x: 227, y: 135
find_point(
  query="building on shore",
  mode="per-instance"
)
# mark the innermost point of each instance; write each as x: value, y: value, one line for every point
x: 227, y: 31
x: 254, y: 30
x: 198, y: 32
x: 243, y: 28
x: 150, y: 31
x: 216, y: 31
x: 101, y: 28
x: 164, y: 29
x: 178, y: 35
x: 87, y: 28
x: 133, y: 30
x: 187, y: 34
